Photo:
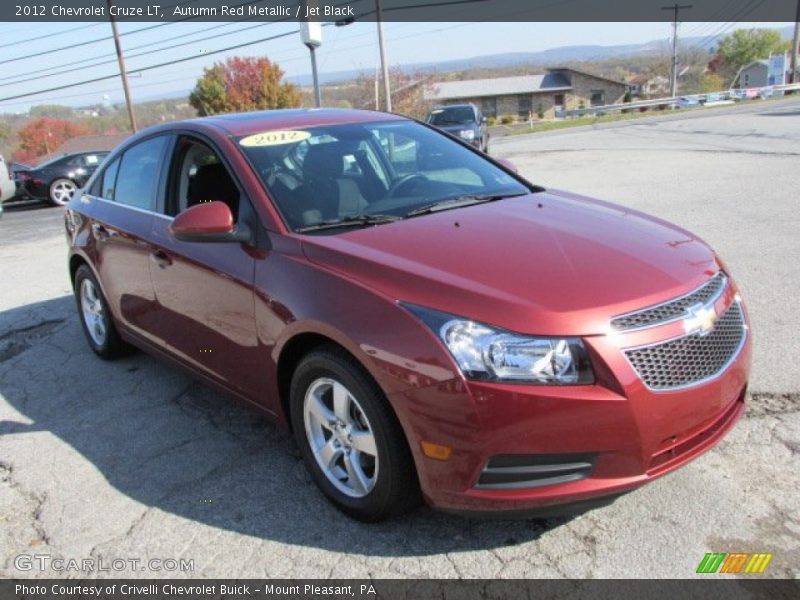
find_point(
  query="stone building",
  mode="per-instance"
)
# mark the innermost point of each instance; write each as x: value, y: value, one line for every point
x: 524, y: 95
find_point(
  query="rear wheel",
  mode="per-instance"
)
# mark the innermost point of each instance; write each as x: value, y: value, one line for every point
x: 350, y: 439
x: 61, y: 191
x: 96, y: 320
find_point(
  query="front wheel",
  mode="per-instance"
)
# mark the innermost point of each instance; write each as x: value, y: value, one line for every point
x: 61, y: 191
x: 350, y: 439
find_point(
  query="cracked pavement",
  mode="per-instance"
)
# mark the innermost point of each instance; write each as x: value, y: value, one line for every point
x: 133, y: 459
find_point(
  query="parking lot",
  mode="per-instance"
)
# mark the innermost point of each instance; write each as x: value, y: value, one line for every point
x: 134, y: 460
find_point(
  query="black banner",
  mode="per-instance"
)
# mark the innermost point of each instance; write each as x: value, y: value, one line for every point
x: 397, y: 10
x: 390, y: 589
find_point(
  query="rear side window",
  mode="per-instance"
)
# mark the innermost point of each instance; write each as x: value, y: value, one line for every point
x: 138, y: 174
x: 109, y: 180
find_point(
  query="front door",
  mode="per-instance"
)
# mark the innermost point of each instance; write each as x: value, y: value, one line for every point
x: 204, y: 291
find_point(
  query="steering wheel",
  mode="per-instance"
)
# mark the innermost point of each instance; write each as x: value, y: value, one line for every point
x: 404, y: 181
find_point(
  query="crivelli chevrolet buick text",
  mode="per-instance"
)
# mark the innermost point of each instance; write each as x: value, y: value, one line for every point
x: 427, y: 322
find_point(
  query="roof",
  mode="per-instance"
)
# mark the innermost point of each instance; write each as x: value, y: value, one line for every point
x: 270, y: 120
x: 762, y: 62
x: 85, y: 143
x: 499, y: 86
x: 554, y: 80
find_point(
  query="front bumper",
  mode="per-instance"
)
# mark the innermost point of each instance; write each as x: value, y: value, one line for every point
x: 630, y: 434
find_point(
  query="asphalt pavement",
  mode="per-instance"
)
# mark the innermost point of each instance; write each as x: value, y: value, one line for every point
x: 134, y: 460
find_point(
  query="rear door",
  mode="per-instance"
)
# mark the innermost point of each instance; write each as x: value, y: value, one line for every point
x: 206, y: 304
x: 122, y: 207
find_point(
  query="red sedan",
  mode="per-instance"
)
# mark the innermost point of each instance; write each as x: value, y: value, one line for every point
x: 426, y: 321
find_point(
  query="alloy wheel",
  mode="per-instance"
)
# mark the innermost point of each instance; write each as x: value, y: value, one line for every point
x: 61, y: 191
x: 341, y: 437
x: 93, y: 312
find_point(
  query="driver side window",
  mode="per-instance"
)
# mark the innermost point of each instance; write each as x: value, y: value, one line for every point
x: 198, y: 175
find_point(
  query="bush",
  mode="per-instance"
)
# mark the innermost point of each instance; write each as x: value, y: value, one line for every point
x: 506, y: 119
x: 540, y: 111
x: 492, y: 121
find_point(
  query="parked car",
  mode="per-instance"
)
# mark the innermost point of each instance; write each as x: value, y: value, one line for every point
x: 15, y: 168
x: 430, y: 322
x: 57, y: 179
x: 7, y: 188
x: 464, y: 121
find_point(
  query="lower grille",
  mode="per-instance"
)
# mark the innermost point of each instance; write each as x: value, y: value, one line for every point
x: 519, y: 471
x: 691, y: 359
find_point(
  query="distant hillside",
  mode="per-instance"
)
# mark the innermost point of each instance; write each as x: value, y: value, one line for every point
x: 549, y: 57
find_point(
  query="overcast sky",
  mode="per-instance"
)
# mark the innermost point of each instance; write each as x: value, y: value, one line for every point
x: 344, y: 48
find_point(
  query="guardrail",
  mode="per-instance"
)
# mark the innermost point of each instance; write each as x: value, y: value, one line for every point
x: 684, y: 101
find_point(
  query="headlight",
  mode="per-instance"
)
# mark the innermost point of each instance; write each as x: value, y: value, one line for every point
x: 467, y: 134
x: 486, y: 353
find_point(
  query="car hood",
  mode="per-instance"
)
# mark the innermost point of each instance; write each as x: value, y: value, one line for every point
x: 549, y: 263
x: 459, y: 127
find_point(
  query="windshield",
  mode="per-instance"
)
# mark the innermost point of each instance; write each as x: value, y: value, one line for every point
x: 451, y: 116
x: 337, y: 172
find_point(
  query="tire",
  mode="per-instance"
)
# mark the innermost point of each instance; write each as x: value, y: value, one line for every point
x: 98, y: 326
x: 366, y: 487
x: 61, y: 191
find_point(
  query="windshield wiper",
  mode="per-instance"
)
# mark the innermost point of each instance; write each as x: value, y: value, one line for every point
x: 350, y: 221
x: 458, y: 202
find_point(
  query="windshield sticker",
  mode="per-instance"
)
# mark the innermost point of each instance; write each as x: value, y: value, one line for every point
x: 274, y: 138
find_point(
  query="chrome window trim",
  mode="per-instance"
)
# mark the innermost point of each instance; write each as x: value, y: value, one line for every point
x: 680, y: 317
x: 717, y: 374
x: 128, y: 206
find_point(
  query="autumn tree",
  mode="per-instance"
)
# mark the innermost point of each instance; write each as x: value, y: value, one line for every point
x: 746, y: 45
x: 241, y: 85
x: 43, y: 135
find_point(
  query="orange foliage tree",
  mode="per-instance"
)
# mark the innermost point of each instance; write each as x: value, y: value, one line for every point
x: 43, y: 135
x: 241, y: 85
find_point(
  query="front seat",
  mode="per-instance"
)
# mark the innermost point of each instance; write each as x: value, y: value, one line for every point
x: 327, y: 193
x: 212, y: 182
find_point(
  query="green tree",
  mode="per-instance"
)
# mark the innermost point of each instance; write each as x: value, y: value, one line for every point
x: 241, y: 85
x: 746, y: 45
x: 51, y: 110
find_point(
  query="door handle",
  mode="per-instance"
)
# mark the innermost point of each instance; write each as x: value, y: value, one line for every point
x: 100, y: 231
x: 161, y: 258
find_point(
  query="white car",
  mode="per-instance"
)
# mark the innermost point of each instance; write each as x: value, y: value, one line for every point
x: 7, y: 186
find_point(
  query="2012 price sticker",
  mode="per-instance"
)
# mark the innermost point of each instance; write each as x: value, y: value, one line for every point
x: 274, y: 138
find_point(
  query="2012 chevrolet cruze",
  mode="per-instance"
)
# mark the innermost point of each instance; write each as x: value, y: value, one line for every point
x: 423, y: 318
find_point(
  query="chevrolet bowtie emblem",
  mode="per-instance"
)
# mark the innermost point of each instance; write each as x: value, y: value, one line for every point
x: 701, y: 319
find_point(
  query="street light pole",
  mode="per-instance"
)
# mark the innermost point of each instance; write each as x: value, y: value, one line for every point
x: 673, y: 87
x: 384, y: 65
x: 795, y: 42
x: 122, y: 72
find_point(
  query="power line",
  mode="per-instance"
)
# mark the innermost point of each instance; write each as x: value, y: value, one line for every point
x: 150, y: 67
x: 28, y: 40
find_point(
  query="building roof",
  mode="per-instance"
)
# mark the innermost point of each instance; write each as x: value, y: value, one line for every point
x: 85, y: 143
x: 553, y: 80
x: 762, y: 62
x: 499, y: 86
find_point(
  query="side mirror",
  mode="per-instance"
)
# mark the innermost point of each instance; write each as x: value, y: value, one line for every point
x: 484, y: 120
x: 208, y: 222
x: 508, y: 164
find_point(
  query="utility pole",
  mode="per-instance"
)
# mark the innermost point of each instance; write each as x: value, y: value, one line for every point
x: 384, y: 65
x: 122, y: 72
x: 673, y: 87
x: 795, y: 41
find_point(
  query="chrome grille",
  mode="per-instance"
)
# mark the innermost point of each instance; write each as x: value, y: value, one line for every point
x: 691, y: 359
x: 672, y: 310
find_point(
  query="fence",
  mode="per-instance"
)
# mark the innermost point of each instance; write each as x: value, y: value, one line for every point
x: 684, y: 101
